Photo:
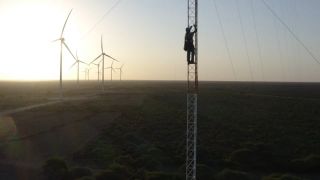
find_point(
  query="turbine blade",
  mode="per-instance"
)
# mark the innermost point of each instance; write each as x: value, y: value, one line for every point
x: 96, y: 59
x: 110, y: 57
x: 69, y: 51
x: 121, y: 66
x: 73, y: 65
x: 101, y: 44
x: 83, y: 62
x: 56, y: 40
x: 65, y: 23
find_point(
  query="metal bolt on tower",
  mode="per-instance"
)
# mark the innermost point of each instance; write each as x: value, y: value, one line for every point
x: 191, y: 154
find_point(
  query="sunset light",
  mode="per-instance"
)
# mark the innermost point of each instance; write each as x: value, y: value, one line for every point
x: 159, y: 89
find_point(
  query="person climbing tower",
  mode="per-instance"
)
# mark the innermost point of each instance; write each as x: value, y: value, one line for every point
x: 188, y: 43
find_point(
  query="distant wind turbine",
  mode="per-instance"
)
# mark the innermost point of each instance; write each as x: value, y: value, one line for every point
x: 86, y: 74
x: 88, y: 71
x: 78, y: 66
x: 120, y: 69
x: 62, y: 43
x: 98, y: 66
x: 111, y: 70
x: 103, y: 54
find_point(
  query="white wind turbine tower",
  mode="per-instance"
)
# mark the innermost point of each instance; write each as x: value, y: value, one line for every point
x: 120, y: 69
x: 111, y: 70
x: 103, y: 54
x: 62, y: 43
x: 78, y: 66
x: 88, y: 73
x: 86, y: 77
x: 85, y: 74
x: 98, y: 66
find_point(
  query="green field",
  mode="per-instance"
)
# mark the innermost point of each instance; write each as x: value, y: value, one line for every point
x: 137, y: 130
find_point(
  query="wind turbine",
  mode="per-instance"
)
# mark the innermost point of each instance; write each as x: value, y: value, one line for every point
x: 87, y: 73
x: 62, y: 43
x: 78, y: 66
x: 88, y: 69
x: 120, y: 69
x: 98, y: 66
x: 86, y: 77
x: 103, y: 54
x: 111, y: 70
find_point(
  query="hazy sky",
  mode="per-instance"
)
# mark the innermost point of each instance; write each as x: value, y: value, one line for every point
x: 147, y: 36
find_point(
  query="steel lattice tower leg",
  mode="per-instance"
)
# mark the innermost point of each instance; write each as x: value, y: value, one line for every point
x: 192, y: 99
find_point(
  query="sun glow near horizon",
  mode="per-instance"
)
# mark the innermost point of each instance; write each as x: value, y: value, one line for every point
x: 27, y: 37
x: 27, y: 32
x: 29, y: 27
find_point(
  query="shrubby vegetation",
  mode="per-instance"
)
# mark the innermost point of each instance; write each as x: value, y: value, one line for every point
x: 228, y: 174
x: 281, y: 177
x: 56, y: 168
x: 310, y: 163
x: 243, y: 134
